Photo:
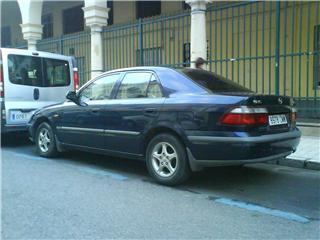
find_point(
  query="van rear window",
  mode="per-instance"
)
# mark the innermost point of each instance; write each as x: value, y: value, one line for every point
x: 25, y: 70
x: 37, y: 71
x: 57, y: 72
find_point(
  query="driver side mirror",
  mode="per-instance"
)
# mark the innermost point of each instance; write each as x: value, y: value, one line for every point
x: 72, y: 95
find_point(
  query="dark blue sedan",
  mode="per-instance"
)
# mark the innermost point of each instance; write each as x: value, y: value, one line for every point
x: 177, y: 120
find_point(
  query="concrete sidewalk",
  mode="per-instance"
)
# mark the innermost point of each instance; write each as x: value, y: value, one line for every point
x: 308, y: 152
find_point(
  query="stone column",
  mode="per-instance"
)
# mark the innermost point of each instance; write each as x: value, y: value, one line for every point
x: 198, y: 29
x: 32, y: 33
x: 96, y: 16
x: 31, y: 21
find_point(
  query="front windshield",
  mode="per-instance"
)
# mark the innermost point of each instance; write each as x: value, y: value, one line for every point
x: 212, y: 82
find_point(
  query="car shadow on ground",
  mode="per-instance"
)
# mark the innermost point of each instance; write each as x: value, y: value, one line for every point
x: 230, y: 177
x: 15, y: 140
x: 257, y: 183
x: 210, y: 178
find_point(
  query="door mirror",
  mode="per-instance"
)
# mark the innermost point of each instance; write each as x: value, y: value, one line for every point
x: 71, y: 95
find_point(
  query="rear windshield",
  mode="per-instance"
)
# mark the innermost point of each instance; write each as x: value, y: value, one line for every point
x: 37, y: 71
x: 213, y: 82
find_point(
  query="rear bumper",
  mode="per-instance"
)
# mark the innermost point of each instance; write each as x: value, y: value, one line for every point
x: 207, y: 151
x: 13, y: 128
x: 254, y: 139
x: 8, y: 128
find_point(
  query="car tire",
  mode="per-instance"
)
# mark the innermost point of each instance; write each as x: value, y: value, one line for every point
x: 167, y: 160
x: 45, y: 141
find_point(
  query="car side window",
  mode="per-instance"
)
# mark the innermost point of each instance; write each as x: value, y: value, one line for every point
x: 134, y: 85
x: 154, y: 89
x: 100, y: 89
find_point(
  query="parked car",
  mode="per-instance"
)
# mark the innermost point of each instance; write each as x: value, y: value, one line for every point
x: 177, y: 121
x: 30, y: 80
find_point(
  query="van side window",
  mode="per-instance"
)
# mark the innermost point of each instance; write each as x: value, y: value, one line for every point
x: 25, y: 70
x: 57, y: 72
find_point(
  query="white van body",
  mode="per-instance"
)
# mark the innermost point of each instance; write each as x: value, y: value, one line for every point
x: 31, y: 80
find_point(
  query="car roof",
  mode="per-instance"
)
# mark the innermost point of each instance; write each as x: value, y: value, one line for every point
x: 34, y: 52
x: 146, y: 68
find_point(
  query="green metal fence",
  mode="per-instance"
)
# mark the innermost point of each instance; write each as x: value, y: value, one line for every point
x: 269, y: 47
x: 77, y: 45
x: 153, y: 41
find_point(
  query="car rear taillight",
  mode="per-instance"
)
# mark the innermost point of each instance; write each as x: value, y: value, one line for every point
x: 1, y: 77
x: 245, y: 116
x: 75, y: 78
x: 293, y: 115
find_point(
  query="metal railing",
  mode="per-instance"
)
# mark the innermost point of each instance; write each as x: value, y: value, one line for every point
x: 77, y: 45
x: 151, y: 41
x: 269, y: 47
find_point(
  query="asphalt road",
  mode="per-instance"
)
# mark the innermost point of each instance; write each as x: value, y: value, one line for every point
x: 82, y: 195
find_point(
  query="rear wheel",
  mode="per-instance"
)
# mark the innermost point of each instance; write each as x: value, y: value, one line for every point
x: 45, y: 141
x: 167, y: 160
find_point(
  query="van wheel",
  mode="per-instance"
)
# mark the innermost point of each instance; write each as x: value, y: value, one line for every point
x: 167, y: 160
x: 45, y: 141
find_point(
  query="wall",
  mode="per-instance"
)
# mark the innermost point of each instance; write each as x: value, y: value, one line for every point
x: 10, y: 16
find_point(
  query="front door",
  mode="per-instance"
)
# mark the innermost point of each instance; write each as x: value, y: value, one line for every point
x: 84, y: 125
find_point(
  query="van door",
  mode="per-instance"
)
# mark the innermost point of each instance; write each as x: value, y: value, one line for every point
x: 57, y: 80
x: 32, y: 82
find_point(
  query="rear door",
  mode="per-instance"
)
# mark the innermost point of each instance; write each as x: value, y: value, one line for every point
x: 32, y: 82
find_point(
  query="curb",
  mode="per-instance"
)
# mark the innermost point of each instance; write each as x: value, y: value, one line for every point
x: 297, y: 163
x: 307, y: 124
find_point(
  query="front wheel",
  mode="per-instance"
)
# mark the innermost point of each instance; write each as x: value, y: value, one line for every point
x: 45, y: 141
x: 167, y: 160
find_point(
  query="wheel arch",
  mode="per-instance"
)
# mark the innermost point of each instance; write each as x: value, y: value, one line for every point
x: 163, y: 129
x: 37, y: 123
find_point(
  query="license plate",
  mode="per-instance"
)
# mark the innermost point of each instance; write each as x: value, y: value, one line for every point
x: 18, y: 116
x: 277, y: 119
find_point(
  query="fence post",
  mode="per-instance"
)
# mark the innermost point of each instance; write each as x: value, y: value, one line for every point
x: 277, y: 49
x: 61, y: 44
x: 140, y: 30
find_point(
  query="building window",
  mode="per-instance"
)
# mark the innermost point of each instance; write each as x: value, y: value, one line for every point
x: 148, y: 8
x: 73, y: 20
x: 47, y: 22
x: 5, y: 36
x: 316, y: 61
x: 110, y: 14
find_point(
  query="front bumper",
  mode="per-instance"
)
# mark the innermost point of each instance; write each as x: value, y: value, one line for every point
x: 207, y: 151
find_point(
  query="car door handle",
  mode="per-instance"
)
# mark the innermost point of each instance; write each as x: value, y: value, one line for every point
x: 95, y: 110
x: 150, y: 111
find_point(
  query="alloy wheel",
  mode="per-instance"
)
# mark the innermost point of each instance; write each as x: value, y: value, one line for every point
x: 164, y: 159
x: 44, y: 140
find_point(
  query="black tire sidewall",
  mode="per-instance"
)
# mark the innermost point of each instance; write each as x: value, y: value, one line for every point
x: 52, y: 151
x: 183, y: 170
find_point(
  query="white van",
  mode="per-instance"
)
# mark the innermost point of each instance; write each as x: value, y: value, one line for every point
x: 30, y: 80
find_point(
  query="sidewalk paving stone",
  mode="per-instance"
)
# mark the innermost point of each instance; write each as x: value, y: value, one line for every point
x: 308, y: 152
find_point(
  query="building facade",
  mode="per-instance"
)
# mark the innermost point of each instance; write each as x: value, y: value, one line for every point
x: 269, y: 47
